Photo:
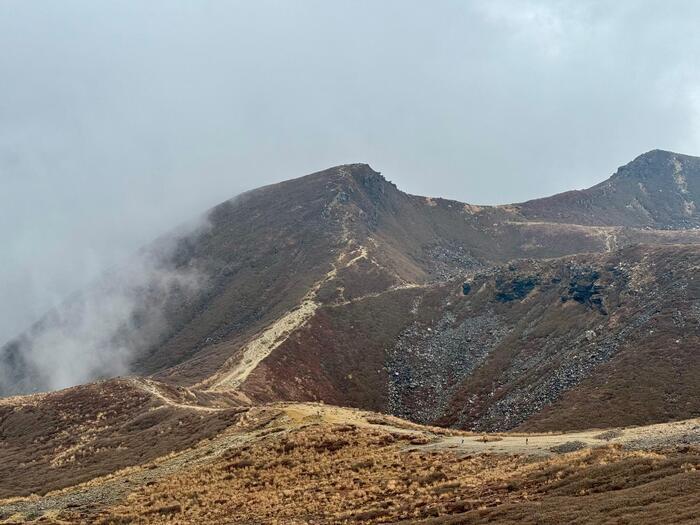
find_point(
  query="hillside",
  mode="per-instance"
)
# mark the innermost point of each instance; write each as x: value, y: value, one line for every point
x: 656, y: 190
x: 557, y: 344
x: 339, y: 287
x: 403, y: 359
x: 135, y: 452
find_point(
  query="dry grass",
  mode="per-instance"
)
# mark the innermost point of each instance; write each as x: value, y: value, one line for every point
x: 341, y: 473
x: 298, y: 463
x: 85, y: 432
x: 350, y: 474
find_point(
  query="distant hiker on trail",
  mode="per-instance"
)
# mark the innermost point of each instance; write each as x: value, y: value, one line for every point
x: 526, y: 440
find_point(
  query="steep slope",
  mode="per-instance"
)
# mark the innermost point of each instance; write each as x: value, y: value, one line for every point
x: 563, y: 343
x: 597, y: 340
x: 322, y: 287
x: 658, y: 189
x: 257, y: 258
x: 401, y: 243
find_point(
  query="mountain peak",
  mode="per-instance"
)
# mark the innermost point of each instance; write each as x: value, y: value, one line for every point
x: 361, y: 172
x: 657, y: 189
x: 354, y: 179
x: 347, y: 170
x: 656, y: 163
x: 658, y: 153
x: 348, y: 176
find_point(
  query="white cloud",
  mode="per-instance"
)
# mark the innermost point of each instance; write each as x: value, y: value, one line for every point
x: 530, y: 23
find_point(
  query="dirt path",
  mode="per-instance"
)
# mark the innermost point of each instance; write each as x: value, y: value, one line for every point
x: 535, y: 445
x: 647, y: 437
x: 259, y: 422
x: 661, y: 435
x: 151, y: 387
x: 237, y: 369
x: 407, y: 286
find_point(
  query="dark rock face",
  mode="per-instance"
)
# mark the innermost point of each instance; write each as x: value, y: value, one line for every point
x: 515, y: 289
x: 649, y: 294
x: 375, y: 185
x: 584, y: 290
x: 489, y: 363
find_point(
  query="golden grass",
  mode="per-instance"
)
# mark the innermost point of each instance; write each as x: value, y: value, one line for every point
x: 331, y: 473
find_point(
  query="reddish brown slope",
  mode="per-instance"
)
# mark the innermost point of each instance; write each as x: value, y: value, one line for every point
x: 313, y: 285
x: 60, y: 439
x: 565, y: 343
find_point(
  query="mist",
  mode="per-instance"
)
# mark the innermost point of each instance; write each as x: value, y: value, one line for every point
x: 97, y: 332
x: 119, y: 120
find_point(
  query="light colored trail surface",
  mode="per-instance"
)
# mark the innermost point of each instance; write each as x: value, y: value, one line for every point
x: 407, y: 286
x: 259, y: 348
x: 151, y: 387
x: 646, y: 437
x: 661, y: 435
x: 237, y: 369
x: 533, y: 445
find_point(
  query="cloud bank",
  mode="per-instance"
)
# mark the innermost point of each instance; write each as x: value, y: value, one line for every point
x: 98, y: 332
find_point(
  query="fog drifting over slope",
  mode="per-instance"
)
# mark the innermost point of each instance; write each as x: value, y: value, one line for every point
x: 97, y: 332
x: 122, y: 119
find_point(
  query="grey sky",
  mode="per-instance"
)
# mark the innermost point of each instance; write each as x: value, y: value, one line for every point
x: 119, y: 120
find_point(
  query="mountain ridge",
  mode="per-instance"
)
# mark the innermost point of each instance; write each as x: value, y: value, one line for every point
x: 630, y: 197
x: 398, y: 357
x: 276, y: 260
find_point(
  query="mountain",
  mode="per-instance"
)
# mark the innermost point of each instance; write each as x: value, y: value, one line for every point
x: 564, y: 343
x: 451, y: 332
x: 656, y: 190
x: 323, y: 288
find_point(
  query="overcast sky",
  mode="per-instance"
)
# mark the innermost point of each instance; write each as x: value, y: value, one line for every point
x: 121, y: 119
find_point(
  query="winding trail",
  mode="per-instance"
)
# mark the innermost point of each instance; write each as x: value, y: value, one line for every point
x: 149, y: 386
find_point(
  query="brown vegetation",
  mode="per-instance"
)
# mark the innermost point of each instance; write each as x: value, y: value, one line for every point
x: 334, y: 474
x: 566, y: 322
x: 85, y: 432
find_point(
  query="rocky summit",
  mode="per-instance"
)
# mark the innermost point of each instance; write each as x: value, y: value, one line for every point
x: 533, y: 362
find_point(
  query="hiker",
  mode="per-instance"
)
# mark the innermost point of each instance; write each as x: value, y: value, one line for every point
x: 526, y: 440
